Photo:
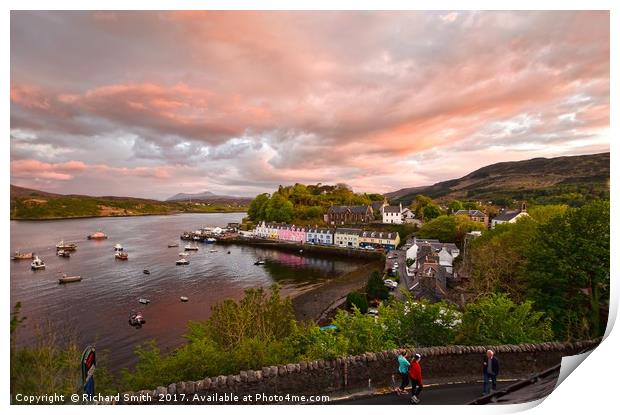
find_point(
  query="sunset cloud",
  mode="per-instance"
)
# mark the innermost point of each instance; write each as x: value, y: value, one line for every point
x: 239, y: 102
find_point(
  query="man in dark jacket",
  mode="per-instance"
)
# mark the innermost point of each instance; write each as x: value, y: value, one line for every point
x: 490, y: 370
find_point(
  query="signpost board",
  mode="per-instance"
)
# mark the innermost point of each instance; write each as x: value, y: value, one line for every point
x: 89, y: 362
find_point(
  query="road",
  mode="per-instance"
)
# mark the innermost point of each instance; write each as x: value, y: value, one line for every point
x: 454, y: 394
x: 405, y: 281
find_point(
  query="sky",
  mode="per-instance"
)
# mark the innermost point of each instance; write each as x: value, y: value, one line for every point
x: 149, y: 104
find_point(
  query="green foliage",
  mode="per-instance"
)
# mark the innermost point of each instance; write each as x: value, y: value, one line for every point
x: 449, y: 228
x: 431, y: 211
x: 497, y: 320
x: 455, y: 206
x: 362, y: 332
x: 569, y: 270
x: 420, y: 323
x: 359, y: 300
x: 52, y: 364
x: 375, y: 287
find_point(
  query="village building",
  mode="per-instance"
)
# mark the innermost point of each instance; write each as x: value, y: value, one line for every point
x: 509, y: 216
x: 393, y: 214
x: 320, y: 236
x: 292, y: 233
x: 385, y: 240
x: 340, y: 215
x: 377, y: 207
x: 347, y: 237
x: 443, y: 254
x: 409, y: 216
x: 474, y: 215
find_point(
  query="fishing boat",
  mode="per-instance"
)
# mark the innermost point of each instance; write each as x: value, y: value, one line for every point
x: 22, y: 255
x: 182, y: 261
x: 121, y: 255
x: 184, y: 299
x: 65, y: 279
x: 189, y: 247
x: 259, y: 262
x: 37, y: 263
x: 173, y: 245
x: 63, y: 253
x: 136, y: 319
x: 144, y: 301
x: 118, y: 247
x: 146, y: 271
x: 211, y: 240
x: 65, y: 247
x: 97, y: 235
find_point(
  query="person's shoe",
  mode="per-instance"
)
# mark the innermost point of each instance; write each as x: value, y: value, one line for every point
x: 415, y: 399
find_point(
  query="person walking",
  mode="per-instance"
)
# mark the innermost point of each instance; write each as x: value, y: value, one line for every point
x: 490, y: 370
x: 415, y: 373
x: 403, y: 370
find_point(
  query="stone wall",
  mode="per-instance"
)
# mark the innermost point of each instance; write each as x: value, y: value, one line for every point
x: 374, y: 370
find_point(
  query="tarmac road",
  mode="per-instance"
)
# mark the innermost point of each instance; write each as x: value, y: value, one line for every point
x: 453, y: 394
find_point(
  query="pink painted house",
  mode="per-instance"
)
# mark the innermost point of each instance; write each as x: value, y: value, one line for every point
x: 292, y: 233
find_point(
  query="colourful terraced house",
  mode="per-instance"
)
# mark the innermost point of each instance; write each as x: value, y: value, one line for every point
x: 292, y: 233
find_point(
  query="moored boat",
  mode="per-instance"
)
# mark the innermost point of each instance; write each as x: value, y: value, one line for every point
x: 144, y: 301
x: 63, y: 253
x: 173, y: 245
x: 183, y: 254
x: 65, y: 247
x: 22, y: 255
x: 69, y: 278
x: 37, y: 263
x: 118, y: 247
x: 97, y: 235
x: 146, y: 271
x: 259, y: 262
x: 211, y: 240
x: 189, y: 247
x: 121, y: 255
x: 136, y: 319
x: 184, y: 299
x: 182, y: 261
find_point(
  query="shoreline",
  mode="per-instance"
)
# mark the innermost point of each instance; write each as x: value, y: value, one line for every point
x: 119, y: 216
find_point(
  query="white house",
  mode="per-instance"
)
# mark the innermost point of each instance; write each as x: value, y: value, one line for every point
x: 509, y: 216
x: 393, y: 214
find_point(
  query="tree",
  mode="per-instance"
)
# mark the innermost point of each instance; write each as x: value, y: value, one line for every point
x: 256, y: 210
x: 431, y: 211
x: 569, y: 270
x: 496, y: 319
x: 278, y: 209
x: 449, y: 228
x: 455, y: 206
x: 418, y: 205
x: 358, y: 300
x: 375, y: 288
x: 420, y: 323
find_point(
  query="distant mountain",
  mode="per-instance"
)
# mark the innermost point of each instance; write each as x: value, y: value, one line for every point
x: 36, y: 204
x: 542, y: 179
x: 202, y: 196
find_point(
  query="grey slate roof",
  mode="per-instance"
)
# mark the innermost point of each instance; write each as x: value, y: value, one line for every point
x: 507, y: 216
x: 473, y: 212
x: 353, y: 209
x: 392, y: 209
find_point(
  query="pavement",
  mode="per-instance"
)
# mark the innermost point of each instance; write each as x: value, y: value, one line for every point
x: 450, y: 394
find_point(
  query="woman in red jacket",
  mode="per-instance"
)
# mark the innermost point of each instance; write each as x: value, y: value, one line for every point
x: 415, y: 373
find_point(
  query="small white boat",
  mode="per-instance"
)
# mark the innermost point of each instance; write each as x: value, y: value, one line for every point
x: 173, y: 245
x: 182, y: 261
x: 63, y: 253
x: 37, y: 263
x: 189, y: 247
x: 211, y: 240
x: 184, y: 299
x: 22, y: 255
x: 259, y: 262
x: 144, y: 301
x: 212, y: 250
x: 69, y: 278
x: 183, y: 254
x: 97, y: 235
x: 196, y: 238
x: 118, y: 247
x: 121, y: 255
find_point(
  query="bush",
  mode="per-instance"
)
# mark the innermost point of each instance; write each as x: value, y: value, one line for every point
x: 358, y: 300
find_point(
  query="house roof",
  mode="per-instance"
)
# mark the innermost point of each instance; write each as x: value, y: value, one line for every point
x: 472, y: 212
x: 507, y: 216
x: 353, y: 209
x: 377, y: 205
x: 349, y: 231
x: 392, y: 209
x: 320, y: 230
x: 379, y: 235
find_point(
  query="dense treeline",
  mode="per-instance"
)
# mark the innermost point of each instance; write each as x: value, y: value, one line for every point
x: 301, y: 202
x: 558, y: 258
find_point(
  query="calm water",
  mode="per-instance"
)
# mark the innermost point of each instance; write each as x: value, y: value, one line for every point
x: 96, y: 308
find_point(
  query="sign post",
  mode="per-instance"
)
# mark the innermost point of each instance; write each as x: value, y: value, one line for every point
x: 89, y: 361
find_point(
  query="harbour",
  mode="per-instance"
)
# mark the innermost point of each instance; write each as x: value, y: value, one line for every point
x: 96, y: 307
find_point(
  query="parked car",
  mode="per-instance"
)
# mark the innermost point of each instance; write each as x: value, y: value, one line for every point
x: 390, y: 284
x: 373, y: 311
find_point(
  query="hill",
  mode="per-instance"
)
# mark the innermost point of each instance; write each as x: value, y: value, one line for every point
x: 35, y: 204
x: 571, y: 180
x: 209, y: 196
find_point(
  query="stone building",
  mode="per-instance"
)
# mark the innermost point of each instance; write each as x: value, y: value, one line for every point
x: 340, y: 215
